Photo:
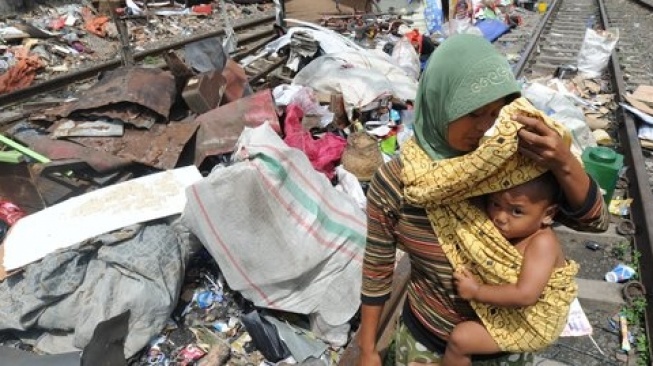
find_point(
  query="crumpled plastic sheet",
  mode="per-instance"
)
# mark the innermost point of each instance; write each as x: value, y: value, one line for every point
x: 362, y: 78
x: 314, y: 269
x: 67, y: 294
x: 330, y: 41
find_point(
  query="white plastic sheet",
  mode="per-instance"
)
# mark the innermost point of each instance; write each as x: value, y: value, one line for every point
x: 562, y: 109
x: 349, y: 184
x: 405, y: 56
x: 362, y: 78
x: 645, y: 130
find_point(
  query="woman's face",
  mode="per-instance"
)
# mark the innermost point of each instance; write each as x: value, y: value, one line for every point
x: 465, y: 133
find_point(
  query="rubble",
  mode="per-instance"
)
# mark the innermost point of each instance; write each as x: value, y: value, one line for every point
x: 51, y: 40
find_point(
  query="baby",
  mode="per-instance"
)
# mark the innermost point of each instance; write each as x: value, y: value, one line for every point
x: 523, y: 215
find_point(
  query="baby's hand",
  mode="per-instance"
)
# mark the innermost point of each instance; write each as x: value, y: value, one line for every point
x: 465, y: 282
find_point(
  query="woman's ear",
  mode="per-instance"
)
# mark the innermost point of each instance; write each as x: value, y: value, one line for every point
x: 549, y: 214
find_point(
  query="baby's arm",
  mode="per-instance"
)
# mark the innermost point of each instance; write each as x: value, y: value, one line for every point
x: 539, y: 261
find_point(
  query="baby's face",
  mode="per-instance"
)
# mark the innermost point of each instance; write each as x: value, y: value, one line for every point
x: 517, y: 214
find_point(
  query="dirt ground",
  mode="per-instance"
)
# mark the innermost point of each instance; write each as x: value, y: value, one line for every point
x: 311, y: 10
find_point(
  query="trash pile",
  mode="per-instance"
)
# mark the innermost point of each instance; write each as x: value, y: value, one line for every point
x: 181, y: 216
x: 52, y: 40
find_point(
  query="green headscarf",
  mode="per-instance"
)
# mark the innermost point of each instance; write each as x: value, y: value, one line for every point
x: 463, y: 74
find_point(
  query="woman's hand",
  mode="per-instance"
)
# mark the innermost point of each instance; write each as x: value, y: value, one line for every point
x: 546, y: 147
x: 466, y: 284
x: 542, y: 144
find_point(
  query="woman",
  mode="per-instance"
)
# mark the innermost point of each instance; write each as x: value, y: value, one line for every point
x: 461, y: 92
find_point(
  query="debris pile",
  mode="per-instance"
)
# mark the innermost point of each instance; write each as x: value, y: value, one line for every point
x: 196, y: 214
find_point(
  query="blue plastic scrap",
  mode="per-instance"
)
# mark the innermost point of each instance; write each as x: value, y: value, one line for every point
x: 492, y: 29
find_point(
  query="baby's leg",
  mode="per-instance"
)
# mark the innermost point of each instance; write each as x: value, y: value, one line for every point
x: 467, y: 339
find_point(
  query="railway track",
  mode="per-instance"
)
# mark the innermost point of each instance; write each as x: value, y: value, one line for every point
x: 251, y: 34
x: 556, y: 42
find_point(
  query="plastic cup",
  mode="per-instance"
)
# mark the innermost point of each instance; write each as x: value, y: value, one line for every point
x: 620, y: 273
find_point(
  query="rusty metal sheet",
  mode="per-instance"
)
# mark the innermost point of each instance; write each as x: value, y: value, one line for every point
x: 220, y: 128
x: 17, y: 185
x: 130, y: 113
x: 59, y: 150
x: 158, y: 147
x: 151, y: 88
x: 126, y: 112
x: 237, y: 83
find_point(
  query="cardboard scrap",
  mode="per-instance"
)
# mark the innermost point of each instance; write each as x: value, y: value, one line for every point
x: 639, y: 104
x: 642, y: 99
x: 644, y: 93
x: 104, y: 210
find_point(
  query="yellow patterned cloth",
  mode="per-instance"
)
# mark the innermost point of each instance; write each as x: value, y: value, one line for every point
x: 470, y: 239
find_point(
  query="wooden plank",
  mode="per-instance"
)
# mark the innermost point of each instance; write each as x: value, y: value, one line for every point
x: 389, y: 316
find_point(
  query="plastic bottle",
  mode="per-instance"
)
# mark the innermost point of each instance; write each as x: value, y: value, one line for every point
x: 603, y: 164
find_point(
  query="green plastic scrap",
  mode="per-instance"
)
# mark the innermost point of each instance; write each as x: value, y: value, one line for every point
x: 24, y: 150
x: 13, y: 157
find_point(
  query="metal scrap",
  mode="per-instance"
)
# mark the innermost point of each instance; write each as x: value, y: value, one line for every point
x: 220, y: 128
x: 17, y: 185
x: 59, y: 150
x: 70, y: 128
x: 159, y: 147
x: 138, y: 96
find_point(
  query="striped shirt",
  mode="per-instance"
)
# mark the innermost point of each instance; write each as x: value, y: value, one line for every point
x: 395, y: 224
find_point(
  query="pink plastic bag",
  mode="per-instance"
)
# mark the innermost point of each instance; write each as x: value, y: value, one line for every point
x: 324, y: 153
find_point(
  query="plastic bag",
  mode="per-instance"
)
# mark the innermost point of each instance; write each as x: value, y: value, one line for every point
x: 265, y: 337
x: 433, y: 15
x: 307, y: 100
x: 596, y: 50
x: 349, y: 184
x: 324, y: 153
x: 405, y: 56
x: 562, y: 109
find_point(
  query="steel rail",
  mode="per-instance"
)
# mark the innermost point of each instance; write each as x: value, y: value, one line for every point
x: 239, y: 55
x: 639, y: 187
x: 269, y: 69
x: 520, y: 67
x: 647, y: 3
x: 64, y: 80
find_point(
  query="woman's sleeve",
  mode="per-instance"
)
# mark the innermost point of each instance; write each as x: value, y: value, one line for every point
x: 592, y: 216
x: 383, y: 200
